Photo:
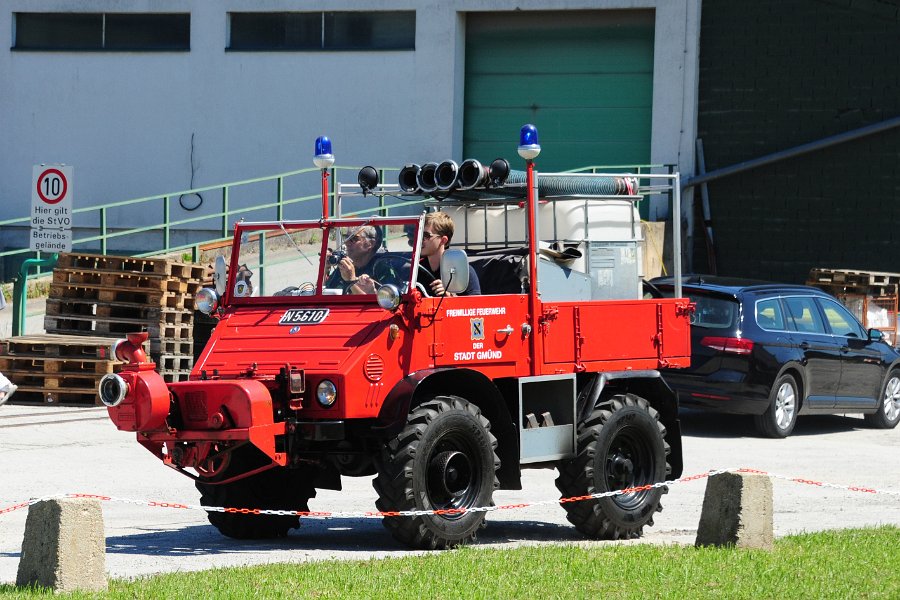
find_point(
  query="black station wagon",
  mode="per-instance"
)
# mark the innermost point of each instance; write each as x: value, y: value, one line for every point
x: 776, y: 351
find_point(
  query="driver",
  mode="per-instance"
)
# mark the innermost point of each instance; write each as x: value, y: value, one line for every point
x: 354, y: 271
x: 436, y: 235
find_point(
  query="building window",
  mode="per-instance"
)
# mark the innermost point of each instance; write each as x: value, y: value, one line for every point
x: 388, y: 30
x: 102, y: 31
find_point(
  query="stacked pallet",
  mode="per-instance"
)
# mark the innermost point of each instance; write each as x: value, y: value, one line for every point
x: 93, y: 300
x: 874, y: 283
x: 56, y: 369
x: 872, y: 296
x: 111, y: 296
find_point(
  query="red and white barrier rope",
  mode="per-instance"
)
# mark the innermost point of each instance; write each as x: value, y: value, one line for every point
x: 416, y: 513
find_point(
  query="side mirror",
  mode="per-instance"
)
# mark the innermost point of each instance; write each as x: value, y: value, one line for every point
x: 455, y: 271
x: 220, y: 275
x: 875, y: 335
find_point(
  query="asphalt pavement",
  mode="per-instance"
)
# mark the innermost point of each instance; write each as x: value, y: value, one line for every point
x: 48, y: 450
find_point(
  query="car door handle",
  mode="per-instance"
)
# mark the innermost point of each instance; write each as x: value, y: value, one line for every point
x: 804, y: 345
x: 845, y: 349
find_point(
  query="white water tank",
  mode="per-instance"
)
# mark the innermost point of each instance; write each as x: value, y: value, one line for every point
x: 608, y: 219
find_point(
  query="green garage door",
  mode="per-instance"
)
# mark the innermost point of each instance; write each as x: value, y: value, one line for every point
x: 584, y: 78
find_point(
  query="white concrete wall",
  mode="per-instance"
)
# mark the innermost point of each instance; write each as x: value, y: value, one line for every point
x: 125, y: 120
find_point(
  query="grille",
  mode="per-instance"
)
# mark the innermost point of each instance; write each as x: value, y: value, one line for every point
x: 374, y: 368
x: 195, y: 406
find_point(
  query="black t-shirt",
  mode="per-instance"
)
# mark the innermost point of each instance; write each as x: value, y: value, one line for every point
x: 379, y: 270
x: 474, y: 287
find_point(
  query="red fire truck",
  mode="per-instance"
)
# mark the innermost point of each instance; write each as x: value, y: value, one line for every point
x: 443, y: 399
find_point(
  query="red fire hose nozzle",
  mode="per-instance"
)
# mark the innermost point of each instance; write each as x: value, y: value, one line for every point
x: 131, y: 349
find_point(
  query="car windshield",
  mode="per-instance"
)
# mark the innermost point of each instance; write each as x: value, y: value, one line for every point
x: 713, y: 313
x: 342, y: 257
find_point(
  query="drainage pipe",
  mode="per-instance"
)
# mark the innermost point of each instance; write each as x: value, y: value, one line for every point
x: 792, y: 152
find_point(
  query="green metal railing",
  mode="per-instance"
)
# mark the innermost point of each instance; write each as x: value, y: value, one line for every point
x: 220, y: 221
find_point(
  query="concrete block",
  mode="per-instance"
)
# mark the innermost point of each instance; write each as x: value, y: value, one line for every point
x: 64, y: 547
x: 737, y: 511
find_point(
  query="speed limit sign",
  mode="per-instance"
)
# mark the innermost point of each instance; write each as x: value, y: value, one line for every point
x: 52, y: 186
x: 51, y: 208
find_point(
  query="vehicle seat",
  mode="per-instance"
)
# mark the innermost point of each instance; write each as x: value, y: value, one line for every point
x: 766, y: 322
x: 503, y: 271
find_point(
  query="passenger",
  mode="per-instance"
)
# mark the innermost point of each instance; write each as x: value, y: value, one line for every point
x: 354, y: 270
x: 436, y: 235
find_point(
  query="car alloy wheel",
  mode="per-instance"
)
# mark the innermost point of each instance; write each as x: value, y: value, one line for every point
x: 781, y: 415
x: 785, y: 405
x: 887, y: 415
x: 891, y: 403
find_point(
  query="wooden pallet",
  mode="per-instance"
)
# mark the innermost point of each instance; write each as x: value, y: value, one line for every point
x: 49, y: 382
x: 114, y: 279
x: 114, y: 329
x: 158, y: 266
x: 59, y: 397
x: 173, y: 376
x: 155, y: 317
x: 171, y: 346
x: 65, y: 291
x: 868, y: 289
x: 56, y: 346
x: 55, y: 366
x: 73, y: 307
x: 853, y: 277
x: 56, y: 369
x: 169, y: 363
x: 175, y: 332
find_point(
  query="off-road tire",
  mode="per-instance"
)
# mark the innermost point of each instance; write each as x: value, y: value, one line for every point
x: 888, y: 413
x: 276, y: 489
x: 445, y: 458
x: 620, y: 445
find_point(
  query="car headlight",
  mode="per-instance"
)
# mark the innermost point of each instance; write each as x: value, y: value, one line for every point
x: 326, y: 393
x: 112, y: 389
x: 388, y: 296
x: 206, y: 300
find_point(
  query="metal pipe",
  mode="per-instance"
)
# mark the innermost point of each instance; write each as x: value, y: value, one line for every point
x: 792, y: 152
x: 676, y: 234
x: 19, y: 290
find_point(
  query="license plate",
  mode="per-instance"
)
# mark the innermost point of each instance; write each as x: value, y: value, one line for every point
x: 303, y: 316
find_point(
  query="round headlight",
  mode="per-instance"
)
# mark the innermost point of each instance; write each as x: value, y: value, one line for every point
x: 112, y: 389
x: 388, y: 296
x: 326, y: 393
x: 206, y: 300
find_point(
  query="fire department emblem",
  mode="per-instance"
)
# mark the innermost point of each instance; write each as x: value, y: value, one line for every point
x: 477, y: 327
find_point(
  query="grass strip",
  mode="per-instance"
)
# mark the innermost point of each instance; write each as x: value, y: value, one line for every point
x: 853, y: 563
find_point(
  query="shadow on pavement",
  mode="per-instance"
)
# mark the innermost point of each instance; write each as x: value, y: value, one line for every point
x: 336, y: 535
x: 713, y: 425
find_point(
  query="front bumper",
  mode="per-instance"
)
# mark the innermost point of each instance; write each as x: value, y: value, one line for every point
x: 197, y: 412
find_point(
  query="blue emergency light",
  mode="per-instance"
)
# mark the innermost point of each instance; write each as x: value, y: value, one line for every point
x: 529, y: 147
x: 323, y: 158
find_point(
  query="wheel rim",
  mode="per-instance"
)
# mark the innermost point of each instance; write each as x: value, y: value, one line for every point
x: 629, y: 464
x: 892, y: 399
x: 453, y: 476
x: 785, y: 406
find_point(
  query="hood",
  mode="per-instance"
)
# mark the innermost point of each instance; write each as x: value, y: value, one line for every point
x: 306, y: 337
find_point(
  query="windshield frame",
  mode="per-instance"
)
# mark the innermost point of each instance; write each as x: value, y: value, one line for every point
x: 339, y: 225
